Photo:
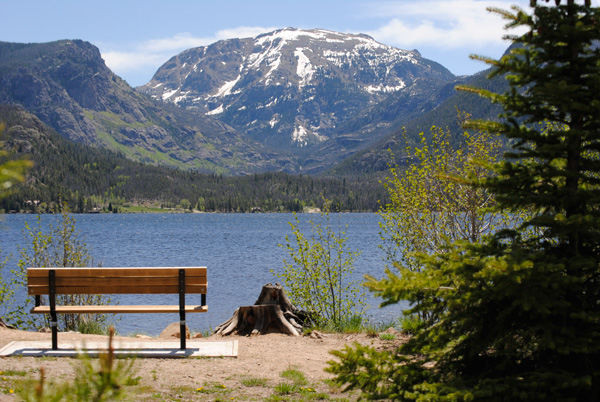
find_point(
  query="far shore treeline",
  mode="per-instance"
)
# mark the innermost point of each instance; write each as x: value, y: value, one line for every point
x: 89, y: 179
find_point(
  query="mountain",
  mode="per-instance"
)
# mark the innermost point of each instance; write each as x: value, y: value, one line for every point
x: 88, y: 178
x: 376, y: 157
x: 311, y: 92
x: 298, y: 101
x: 68, y: 86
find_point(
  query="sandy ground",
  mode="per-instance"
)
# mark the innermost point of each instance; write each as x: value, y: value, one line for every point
x: 262, y: 357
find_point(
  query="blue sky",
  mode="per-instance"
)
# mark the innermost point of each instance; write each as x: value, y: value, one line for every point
x: 136, y: 37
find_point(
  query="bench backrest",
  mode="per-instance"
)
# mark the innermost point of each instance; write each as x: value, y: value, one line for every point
x: 164, y: 280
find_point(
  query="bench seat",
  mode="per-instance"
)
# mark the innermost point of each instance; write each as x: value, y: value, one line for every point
x: 118, y: 309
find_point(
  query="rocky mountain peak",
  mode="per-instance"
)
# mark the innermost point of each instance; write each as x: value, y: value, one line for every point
x: 290, y: 87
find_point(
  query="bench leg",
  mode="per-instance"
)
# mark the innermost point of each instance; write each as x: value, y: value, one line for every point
x: 53, y: 318
x: 54, y: 336
x: 182, y: 331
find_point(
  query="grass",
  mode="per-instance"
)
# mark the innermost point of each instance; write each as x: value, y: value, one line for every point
x: 355, y: 325
x: 213, y: 388
x: 410, y: 324
x: 285, y: 388
x: 254, y: 382
x: 93, y: 327
x: 207, y: 332
x: 352, y: 325
x: 295, y: 387
x: 292, y: 386
x: 7, y: 385
x: 296, y: 376
x: 104, y: 378
x: 12, y: 373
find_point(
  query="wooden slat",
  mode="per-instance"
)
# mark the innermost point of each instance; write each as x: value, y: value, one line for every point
x: 146, y: 289
x: 118, y: 309
x: 116, y: 272
x: 127, y: 281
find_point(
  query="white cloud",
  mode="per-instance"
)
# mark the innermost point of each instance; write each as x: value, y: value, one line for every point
x: 440, y: 23
x: 138, y: 61
x: 120, y: 61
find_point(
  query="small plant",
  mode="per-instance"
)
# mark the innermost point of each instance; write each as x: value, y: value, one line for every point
x: 87, y: 326
x: 387, y: 337
x: 350, y: 325
x: 285, y: 388
x: 207, y: 332
x: 254, y: 382
x: 411, y: 324
x: 297, y: 376
x: 296, y: 388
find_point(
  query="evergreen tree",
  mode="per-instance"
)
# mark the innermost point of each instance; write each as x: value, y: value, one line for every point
x: 519, y: 312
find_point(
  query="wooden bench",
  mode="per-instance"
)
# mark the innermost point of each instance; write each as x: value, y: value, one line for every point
x: 71, y: 281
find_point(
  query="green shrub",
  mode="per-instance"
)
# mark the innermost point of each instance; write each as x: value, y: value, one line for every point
x: 411, y: 323
x: 316, y: 278
x: 60, y: 246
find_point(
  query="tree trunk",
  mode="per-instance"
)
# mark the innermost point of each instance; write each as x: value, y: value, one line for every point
x: 272, y: 313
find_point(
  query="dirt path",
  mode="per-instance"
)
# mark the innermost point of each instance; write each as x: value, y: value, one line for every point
x: 253, y: 376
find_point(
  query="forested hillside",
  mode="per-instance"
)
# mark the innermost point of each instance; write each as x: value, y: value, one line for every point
x: 446, y: 115
x: 91, y: 179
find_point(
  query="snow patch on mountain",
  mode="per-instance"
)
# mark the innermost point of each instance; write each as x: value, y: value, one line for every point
x: 166, y: 95
x: 226, y: 88
x: 271, y: 56
x: 305, y: 69
x: 273, y: 121
x: 182, y: 96
x: 385, y: 88
x: 299, y: 136
x: 213, y: 112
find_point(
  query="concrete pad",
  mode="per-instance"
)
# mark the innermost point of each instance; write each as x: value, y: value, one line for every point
x: 139, y: 348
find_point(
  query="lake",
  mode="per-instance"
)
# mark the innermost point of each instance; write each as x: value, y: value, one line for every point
x: 240, y: 250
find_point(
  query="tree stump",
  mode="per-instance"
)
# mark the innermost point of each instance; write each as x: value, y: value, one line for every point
x: 272, y: 313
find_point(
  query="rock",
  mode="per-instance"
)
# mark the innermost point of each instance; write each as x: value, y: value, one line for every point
x: 197, y: 335
x: 139, y: 336
x: 391, y: 330
x: 316, y: 335
x: 45, y: 330
x: 172, y: 331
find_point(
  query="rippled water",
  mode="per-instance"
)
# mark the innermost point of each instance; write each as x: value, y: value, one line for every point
x: 239, y: 250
